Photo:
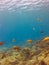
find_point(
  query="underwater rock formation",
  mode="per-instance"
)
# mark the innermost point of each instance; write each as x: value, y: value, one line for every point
x: 37, y: 55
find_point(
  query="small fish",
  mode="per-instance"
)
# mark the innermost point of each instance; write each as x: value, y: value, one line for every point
x: 46, y: 39
x: 42, y: 32
x: 29, y: 41
x: 1, y: 43
x: 16, y: 48
x: 14, y: 40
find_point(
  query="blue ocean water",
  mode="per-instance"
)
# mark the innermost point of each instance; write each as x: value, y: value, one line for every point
x: 23, y: 25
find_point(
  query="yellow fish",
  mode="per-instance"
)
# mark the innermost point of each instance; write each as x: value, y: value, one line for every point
x: 29, y: 41
x: 46, y: 39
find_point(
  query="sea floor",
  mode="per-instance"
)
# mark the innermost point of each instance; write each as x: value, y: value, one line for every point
x: 35, y: 55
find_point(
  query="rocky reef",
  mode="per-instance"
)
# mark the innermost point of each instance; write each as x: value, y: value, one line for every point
x: 37, y: 54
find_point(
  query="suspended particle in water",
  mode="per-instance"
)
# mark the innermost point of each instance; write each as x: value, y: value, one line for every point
x: 33, y: 28
x: 39, y: 19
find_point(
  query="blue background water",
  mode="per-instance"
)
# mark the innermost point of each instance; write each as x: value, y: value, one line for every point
x: 20, y: 26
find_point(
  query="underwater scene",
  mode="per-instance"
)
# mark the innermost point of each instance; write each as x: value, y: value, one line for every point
x: 24, y: 32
